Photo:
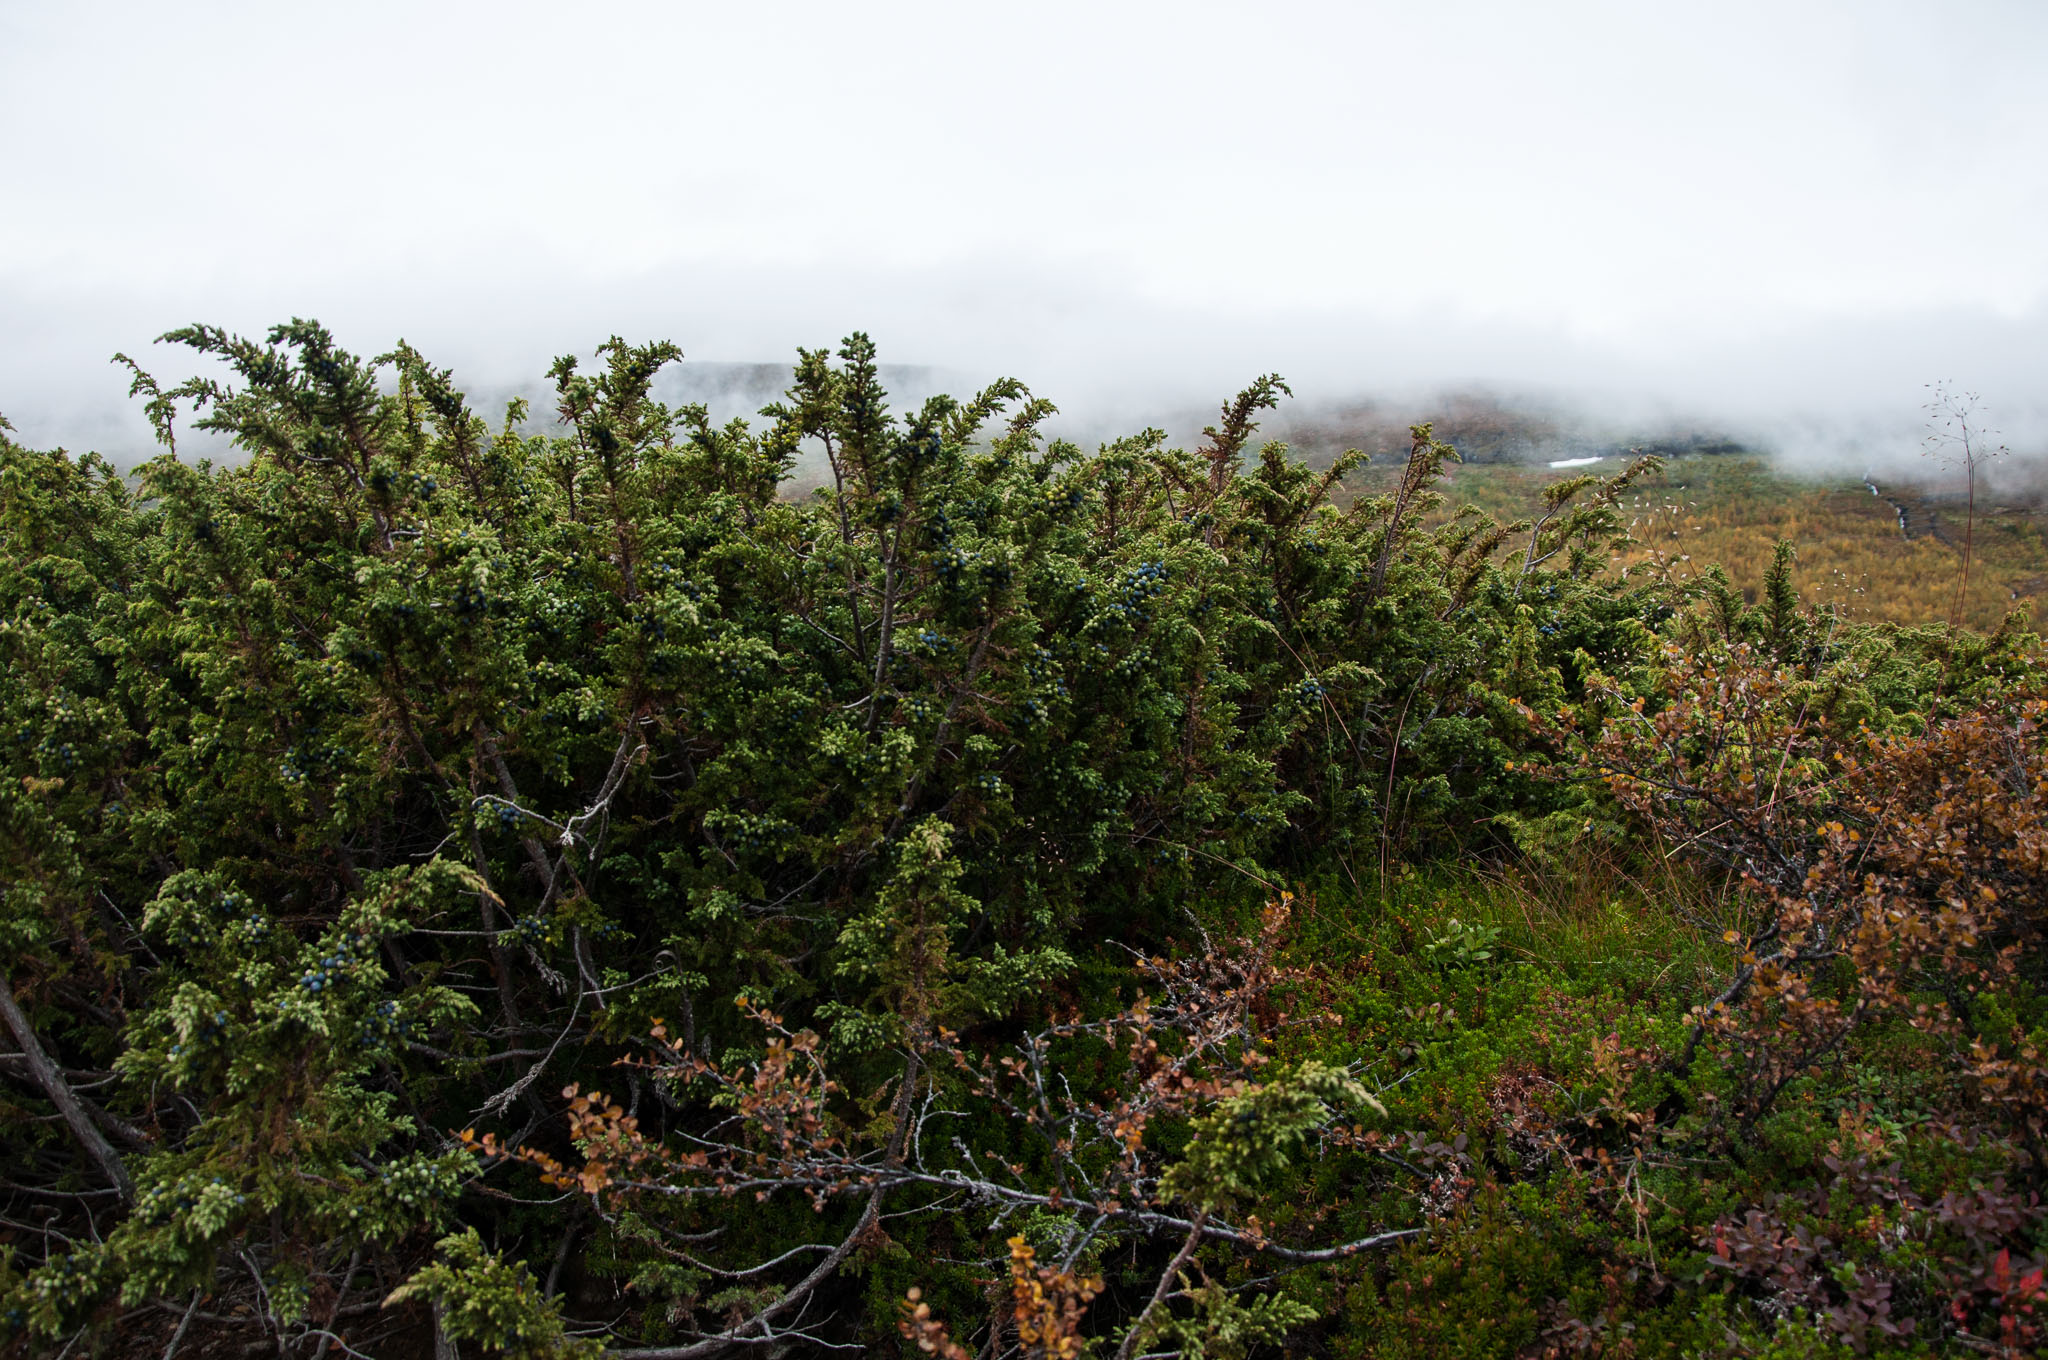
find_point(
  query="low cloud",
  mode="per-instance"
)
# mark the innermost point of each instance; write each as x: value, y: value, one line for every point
x: 1778, y: 223
x: 1826, y: 393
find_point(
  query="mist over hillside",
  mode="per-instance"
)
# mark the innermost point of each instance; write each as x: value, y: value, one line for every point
x: 1523, y: 426
x: 1490, y: 430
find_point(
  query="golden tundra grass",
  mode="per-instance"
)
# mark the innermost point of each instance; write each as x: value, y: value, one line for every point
x: 1703, y: 510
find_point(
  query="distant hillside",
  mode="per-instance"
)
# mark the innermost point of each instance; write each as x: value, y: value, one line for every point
x: 1881, y: 552
x: 1485, y: 429
x: 727, y: 389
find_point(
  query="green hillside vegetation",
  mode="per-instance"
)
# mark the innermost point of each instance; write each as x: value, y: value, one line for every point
x: 484, y: 893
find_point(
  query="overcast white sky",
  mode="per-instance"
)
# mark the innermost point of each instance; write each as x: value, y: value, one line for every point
x: 1740, y: 209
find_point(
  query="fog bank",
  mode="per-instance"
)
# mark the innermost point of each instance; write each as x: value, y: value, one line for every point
x: 1769, y: 221
x: 1823, y: 393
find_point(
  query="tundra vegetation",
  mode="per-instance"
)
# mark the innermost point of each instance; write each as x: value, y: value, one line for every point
x: 1893, y: 554
x: 475, y: 892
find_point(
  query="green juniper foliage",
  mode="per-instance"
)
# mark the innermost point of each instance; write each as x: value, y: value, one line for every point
x: 363, y: 794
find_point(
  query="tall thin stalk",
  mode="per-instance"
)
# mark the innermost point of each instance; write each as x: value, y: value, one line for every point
x: 1957, y: 435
